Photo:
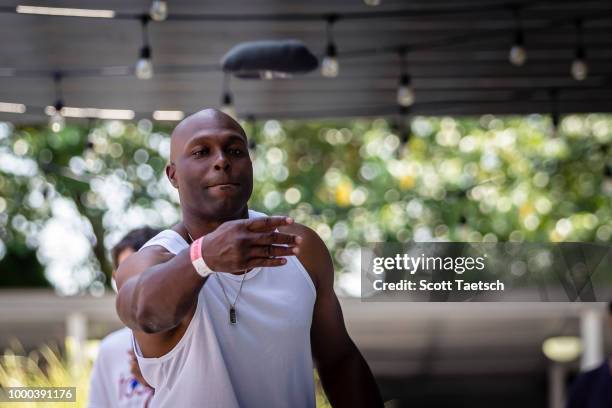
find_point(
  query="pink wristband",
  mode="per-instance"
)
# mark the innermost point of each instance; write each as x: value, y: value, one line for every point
x: 195, y: 250
x: 195, y: 253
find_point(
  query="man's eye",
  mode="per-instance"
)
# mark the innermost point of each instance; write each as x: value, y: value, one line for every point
x: 199, y: 153
x: 236, y: 152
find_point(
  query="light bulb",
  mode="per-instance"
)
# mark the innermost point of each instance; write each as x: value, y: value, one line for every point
x: 518, y: 55
x: 330, y: 67
x: 580, y: 69
x: 144, y: 69
x: 144, y: 66
x: 57, y: 122
x: 159, y: 10
x: 405, y: 93
x: 372, y: 2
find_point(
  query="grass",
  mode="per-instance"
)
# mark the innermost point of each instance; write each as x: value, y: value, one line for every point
x: 45, y: 367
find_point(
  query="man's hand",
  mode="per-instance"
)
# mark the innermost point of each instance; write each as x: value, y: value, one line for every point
x: 239, y: 245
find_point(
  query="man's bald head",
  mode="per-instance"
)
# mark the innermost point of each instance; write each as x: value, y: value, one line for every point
x: 209, y: 118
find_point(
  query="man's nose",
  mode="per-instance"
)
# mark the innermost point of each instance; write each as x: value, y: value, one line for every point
x: 221, y: 162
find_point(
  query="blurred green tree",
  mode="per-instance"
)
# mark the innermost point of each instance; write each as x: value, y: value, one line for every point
x: 483, y: 179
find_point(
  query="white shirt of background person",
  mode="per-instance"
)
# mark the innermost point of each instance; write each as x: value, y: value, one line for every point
x: 113, y: 383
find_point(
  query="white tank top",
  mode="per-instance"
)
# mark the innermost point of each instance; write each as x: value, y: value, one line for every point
x: 264, y: 360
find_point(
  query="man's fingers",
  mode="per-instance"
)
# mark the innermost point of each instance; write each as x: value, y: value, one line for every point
x: 268, y: 223
x: 265, y: 251
x: 276, y: 238
x: 257, y: 262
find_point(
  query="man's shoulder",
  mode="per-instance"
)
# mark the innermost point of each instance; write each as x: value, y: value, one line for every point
x: 312, y: 243
x: 314, y: 255
x: 159, y: 249
x: 300, y: 229
x: 170, y: 239
x: 295, y: 228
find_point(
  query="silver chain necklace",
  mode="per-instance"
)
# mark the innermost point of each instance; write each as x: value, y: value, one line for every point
x: 233, y: 316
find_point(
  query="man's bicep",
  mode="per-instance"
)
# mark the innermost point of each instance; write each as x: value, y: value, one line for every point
x: 127, y: 279
x: 329, y: 338
x: 150, y: 344
x: 140, y: 261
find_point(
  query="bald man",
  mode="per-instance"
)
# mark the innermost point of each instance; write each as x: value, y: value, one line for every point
x: 230, y: 307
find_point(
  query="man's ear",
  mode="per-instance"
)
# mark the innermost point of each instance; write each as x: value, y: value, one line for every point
x: 170, y: 173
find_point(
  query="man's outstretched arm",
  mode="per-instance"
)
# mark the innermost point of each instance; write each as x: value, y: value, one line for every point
x: 158, y: 291
x: 345, y: 375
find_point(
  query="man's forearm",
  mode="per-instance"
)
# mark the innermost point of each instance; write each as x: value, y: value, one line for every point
x: 159, y: 298
x: 350, y: 383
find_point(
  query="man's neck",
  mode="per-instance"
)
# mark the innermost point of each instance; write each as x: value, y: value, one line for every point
x: 197, y: 225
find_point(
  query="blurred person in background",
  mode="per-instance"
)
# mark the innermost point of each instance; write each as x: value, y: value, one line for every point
x: 593, y: 389
x: 116, y: 380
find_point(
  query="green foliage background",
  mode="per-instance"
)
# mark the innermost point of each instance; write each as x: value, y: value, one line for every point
x: 469, y: 179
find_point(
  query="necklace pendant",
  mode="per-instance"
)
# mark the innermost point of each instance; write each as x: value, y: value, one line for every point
x: 232, y: 315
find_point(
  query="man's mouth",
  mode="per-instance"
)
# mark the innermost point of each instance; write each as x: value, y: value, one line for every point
x: 221, y: 185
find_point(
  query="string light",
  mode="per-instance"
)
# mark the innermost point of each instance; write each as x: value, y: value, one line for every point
x: 144, y: 66
x: 580, y: 68
x: 405, y: 92
x: 120, y: 70
x: 518, y: 53
x: 158, y: 10
x: 372, y: 3
x: 330, y: 66
x: 57, y: 123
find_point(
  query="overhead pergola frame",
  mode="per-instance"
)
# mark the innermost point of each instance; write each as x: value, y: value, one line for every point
x: 456, y: 56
